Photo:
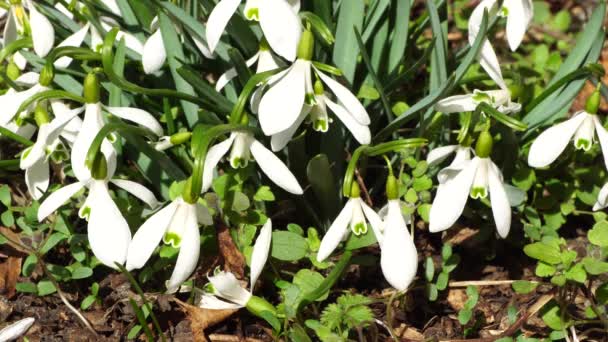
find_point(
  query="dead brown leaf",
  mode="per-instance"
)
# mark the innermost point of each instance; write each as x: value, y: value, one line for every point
x: 457, y: 298
x: 201, y: 319
x: 234, y: 261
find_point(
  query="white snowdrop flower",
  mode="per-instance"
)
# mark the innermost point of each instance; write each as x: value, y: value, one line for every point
x: 243, y: 147
x: 225, y: 291
x: 499, y: 99
x: 264, y: 58
x: 478, y: 178
x: 290, y: 91
x: 602, y: 199
x: 15, y: 330
x: 12, y: 99
x: 354, y: 217
x: 176, y: 224
x: 278, y: 19
x: 107, y: 230
x: 35, y: 159
x: 318, y: 114
x: 41, y: 29
x: 439, y: 154
x: 519, y: 15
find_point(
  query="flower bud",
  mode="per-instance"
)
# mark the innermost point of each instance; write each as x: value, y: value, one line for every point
x: 355, y: 192
x: 99, y: 169
x: 256, y: 305
x: 483, y: 147
x: 516, y: 91
x: 91, y: 88
x: 187, y: 194
x: 12, y: 71
x: 392, y: 187
x: 593, y: 101
x: 306, y: 46
x: 46, y: 75
x: 318, y: 87
x: 41, y: 116
x: 180, y: 138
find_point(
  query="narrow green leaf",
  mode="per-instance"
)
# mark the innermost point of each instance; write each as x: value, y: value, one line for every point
x: 346, y: 50
x: 400, y: 33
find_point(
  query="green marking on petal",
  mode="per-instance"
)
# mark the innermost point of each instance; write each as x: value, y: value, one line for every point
x: 310, y: 99
x: 237, y: 163
x: 482, y: 97
x: 479, y: 192
x: 582, y: 144
x: 320, y: 125
x: 253, y: 14
x: 172, y: 239
x: 208, y: 288
x: 85, y: 212
x: 359, y: 228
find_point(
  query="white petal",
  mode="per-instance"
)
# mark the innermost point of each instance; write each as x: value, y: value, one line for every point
x: 450, y: 201
x: 11, y: 31
x: 457, y: 103
x: 11, y: 101
x: 37, y: 178
x: 280, y: 140
x: 202, y: 46
x: 602, y: 198
x: 374, y: 220
x: 228, y: 287
x: 439, y: 154
x: 57, y: 199
x: 75, y: 39
x: 266, y: 62
x: 214, y: 155
x: 552, y: 142
x: 213, y: 303
x: 189, y: 251
x: 139, y: 116
x: 148, y: 236
x: 281, y: 27
x: 295, y: 5
x: 218, y: 19
x: 43, y: 34
x: 274, y: 168
x: 346, y: 98
x: 15, y: 330
x: 518, y: 19
x: 399, y: 259
x: 602, y: 136
x: 501, y: 209
x: 137, y: 190
x: 29, y: 79
x: 131, y: 42
x: 91, y: 125
x: 487, y: 56
x: 108, y: 231
x: 336, y: 231
x: 231, y: 73
x: 281, y: 105
x: 261, y: 248
x: 359, y: 131
x: 154, y: 54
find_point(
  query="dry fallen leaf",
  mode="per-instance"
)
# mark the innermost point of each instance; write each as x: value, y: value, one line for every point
x: 234, y: 261
x: 201, y: 319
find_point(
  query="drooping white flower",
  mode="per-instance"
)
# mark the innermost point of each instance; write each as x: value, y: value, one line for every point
x: 284, y: 103
x: 602, y: 199
x: 581, y: 129
x: 478, y: 178
x: 354, y: 218
x: 519, y: 15
x: 265, y: 62
x: 107, y: 230
x: 15, y: 330
x: 42, y: 31
x: 245, y: 147
x: 12, y: 99
x: 176, y: 224
x: 398, y: 254
x: 226, y: 291
x: 35, y: 159
x: 278, y: 19
x: 438, y: 155
x: 499, y: 99
x: 316, y: 110
x: 93, y: 122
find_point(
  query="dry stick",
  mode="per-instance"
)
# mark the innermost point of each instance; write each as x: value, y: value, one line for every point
x: 231, y: 338
x: 38, y: 256
x: 363, y: 188
x: 454, y: 284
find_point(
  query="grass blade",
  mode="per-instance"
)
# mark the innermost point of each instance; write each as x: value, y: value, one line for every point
x: 346, y: 49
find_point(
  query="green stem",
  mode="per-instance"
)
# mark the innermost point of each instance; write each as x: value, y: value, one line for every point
x: 47, y: 95
x: 14, y: 47
x: 237, y: 111
x: 16, y: 137
x: 331, y: 279
x: 107, y: 129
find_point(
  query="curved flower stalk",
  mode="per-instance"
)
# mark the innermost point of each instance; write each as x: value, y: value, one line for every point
x: 20, y: 24
x: 284, y: 105
x: 278, y: 20
x: 264, y: 58
x: 499, y: 99
x: 15, y: 330
x: 354, y: 218
x: 478, y: 178
x: 318, y: 114
x: 245, y: 147
x: 225, y: 292
x: 176, y: 224
x: 580, y: 129
x: 35, y: 159
x: 107, y: 230
x: 12, y: 99
x: 93, y: 122
x: 154, y: 53
x: 519, y: 15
